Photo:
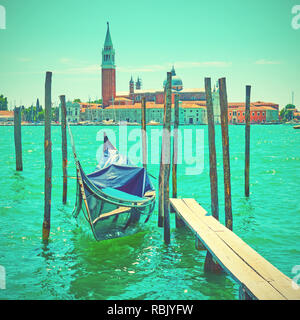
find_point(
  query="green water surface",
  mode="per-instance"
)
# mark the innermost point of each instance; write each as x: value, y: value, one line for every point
x: 74, y: 266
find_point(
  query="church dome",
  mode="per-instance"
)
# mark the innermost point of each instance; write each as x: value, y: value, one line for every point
x: 176, y: 81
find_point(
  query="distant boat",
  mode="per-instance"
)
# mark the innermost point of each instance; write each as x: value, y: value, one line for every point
x: 153, y: 123
x: 117, y: 199
x: 109, y: 122
x: 297, y: 127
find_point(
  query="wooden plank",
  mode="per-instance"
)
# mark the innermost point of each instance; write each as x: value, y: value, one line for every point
x: 210, y: 221
x: 230, y: 261
x: 265, y: 269
x: 111, y: 213
x: 195, y: 206
x: 150, y: 193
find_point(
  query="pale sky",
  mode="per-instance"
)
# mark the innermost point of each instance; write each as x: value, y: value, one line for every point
x: 248, y: 42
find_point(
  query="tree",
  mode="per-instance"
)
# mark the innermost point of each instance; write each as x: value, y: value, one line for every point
x: 77, y: 100
x: 97, y: 101
x: 3, y: 102
x: 55, y: 114
x: 287, y: 113
x: 290, y: 106
x: 38, y: 106
x: 41, y: 115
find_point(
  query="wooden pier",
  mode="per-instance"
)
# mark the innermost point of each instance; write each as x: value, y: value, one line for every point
x: 258, y: 279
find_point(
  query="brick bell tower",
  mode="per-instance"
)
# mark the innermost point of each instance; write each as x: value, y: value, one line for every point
x: 108, y: 71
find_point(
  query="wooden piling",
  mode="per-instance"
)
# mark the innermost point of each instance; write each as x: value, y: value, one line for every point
x: 165, y: 158
x: 64, y: 146
x: 212, y: 151
x: 247, y: 140
x: 210, y: 264
x: 225, y: 145
x: 18, y: 139
x: 144, y: 134
x: 160, y: 181
x: 160, y: 222
x: 175, y: 146
x: 178, y: 221
x: 48, y: 157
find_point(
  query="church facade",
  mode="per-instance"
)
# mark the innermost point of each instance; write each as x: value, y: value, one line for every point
x: 124, y: 105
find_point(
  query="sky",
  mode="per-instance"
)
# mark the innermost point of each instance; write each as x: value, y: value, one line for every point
x: 250, y: 42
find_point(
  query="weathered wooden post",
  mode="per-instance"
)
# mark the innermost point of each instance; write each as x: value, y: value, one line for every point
x: 144, y: 134
x: 175, y: 146
x: 212, y: 151
x: 225, y: 145
x: 210, y: 265
x: 48, y: 157
x: 247, y: 140
x: 18, y: 139
x: 64, y: 146
x: 166, y: 157
x: 178, y: 221
x: 160, y: 181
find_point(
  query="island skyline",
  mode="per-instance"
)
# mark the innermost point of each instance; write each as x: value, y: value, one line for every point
x: 67, y: 38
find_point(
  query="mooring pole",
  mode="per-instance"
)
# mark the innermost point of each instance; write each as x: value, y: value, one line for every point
x: 225, y: 145
x: 160, y: 181
x: 18, y: 139
x: 212, y: 151
x: 48, y: 157
x: 165, y: 158
x: 64, y: 146
x: 247, y: 140
x: 166, y: 145
x: 175, y: 146
x: 210, y: 265
x: 144, y: 134
x: 178, y: 221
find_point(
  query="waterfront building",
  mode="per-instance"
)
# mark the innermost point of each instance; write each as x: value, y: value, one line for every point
x: 258, y: 113
x: 133, y: 113
x: 6, y: 116
x: 108, y: 70
x: 126, y: 106
x: 73, y: 112
x: 189, y: 113
x: 157, y: 95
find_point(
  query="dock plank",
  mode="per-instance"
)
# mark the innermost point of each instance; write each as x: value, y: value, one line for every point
x: 264, y: 268
x: 112, y: 213
x: 244, y: 264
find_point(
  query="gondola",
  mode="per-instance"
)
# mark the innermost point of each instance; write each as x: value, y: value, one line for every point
x: 117, y: 199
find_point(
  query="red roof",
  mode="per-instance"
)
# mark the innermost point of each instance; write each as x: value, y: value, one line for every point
x: 252, y: 108
x: 6, y: 113
x: 253, y: 104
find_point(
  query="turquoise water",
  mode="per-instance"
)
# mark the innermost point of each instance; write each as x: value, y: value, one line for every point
x: 74, y: 266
